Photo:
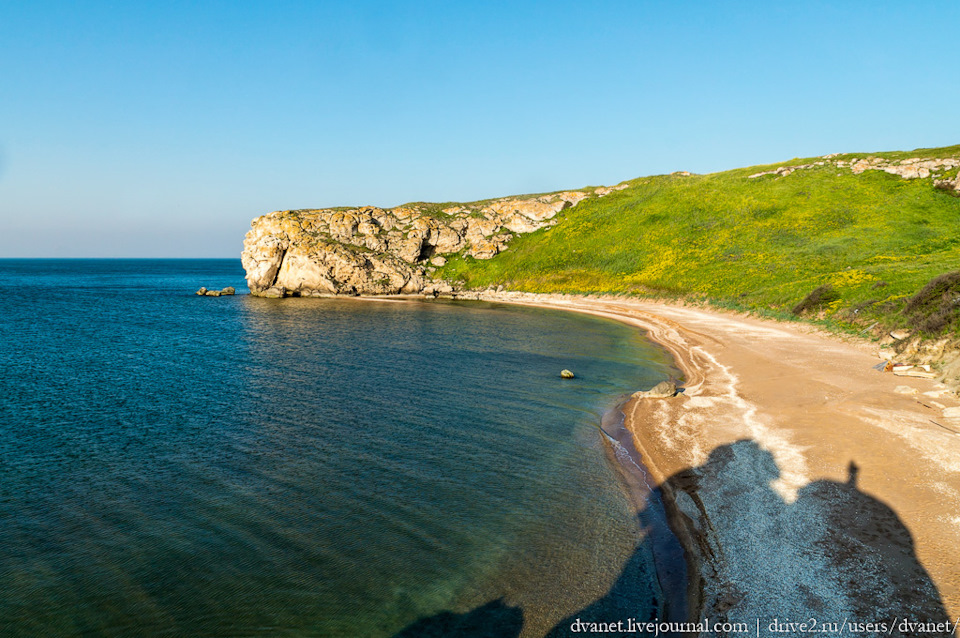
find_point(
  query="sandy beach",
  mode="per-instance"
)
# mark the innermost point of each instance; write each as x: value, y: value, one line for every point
x: 804, y: 484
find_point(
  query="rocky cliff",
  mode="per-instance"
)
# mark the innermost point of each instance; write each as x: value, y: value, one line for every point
x: 376, y: 251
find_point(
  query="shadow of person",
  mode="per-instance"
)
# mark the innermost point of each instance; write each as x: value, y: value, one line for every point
x: 493, y: 620
x: 719, y: 508
x: 833, y: 554
x: 724, y: 511
x: 873, y: 555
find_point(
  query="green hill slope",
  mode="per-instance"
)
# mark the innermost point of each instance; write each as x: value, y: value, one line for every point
x: 867, y: 239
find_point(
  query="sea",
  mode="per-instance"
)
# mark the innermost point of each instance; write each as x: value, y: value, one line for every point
x: 178, y: 465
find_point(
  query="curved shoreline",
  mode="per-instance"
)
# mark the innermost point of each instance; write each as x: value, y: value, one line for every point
x: 637, y: 411
x: 837, y: 441
x: 667, y: 528
x: 803, y: 482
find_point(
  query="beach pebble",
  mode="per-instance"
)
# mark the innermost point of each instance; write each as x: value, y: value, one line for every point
x: 566, y: 374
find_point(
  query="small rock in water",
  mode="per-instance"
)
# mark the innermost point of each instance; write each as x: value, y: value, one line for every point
x: 229, y: 290
x: 566, y: 374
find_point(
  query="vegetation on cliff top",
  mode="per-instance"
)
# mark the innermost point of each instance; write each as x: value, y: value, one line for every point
x: 867, y: 242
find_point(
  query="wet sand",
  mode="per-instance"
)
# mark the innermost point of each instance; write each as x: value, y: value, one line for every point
x: 801, y: 484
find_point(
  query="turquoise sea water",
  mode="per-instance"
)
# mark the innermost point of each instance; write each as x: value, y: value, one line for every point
x: 176, y: 465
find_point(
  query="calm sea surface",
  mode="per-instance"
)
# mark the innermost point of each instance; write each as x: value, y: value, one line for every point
x: 175, y: 465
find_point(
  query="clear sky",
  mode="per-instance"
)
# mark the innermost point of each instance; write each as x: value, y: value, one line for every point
x: 153, y: 129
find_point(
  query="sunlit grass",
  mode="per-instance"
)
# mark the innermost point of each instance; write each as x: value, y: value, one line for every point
x: 759, y: 244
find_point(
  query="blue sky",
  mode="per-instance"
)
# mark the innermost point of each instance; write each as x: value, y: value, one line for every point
x: 135, y: 129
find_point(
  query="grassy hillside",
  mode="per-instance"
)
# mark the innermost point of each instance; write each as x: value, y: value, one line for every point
x: 867, y: 241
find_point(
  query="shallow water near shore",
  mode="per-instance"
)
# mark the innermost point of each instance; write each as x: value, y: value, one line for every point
x: 183, y: 465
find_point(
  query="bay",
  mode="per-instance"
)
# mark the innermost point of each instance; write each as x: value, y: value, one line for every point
x: 181, y: 465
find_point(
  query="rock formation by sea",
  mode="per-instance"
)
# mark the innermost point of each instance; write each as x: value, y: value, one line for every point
x: 376, y: 251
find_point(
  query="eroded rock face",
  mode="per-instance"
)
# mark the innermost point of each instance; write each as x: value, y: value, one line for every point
x: 378, y: 251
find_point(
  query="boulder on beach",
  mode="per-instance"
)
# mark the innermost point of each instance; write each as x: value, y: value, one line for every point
x: 662, y: 390
x: 566, y: 374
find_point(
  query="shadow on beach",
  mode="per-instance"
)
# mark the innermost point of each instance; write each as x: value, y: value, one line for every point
x: 834, y: 555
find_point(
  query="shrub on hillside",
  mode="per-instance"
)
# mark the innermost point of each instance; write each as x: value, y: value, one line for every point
x: 937, y: 306
x: 817, y: 299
